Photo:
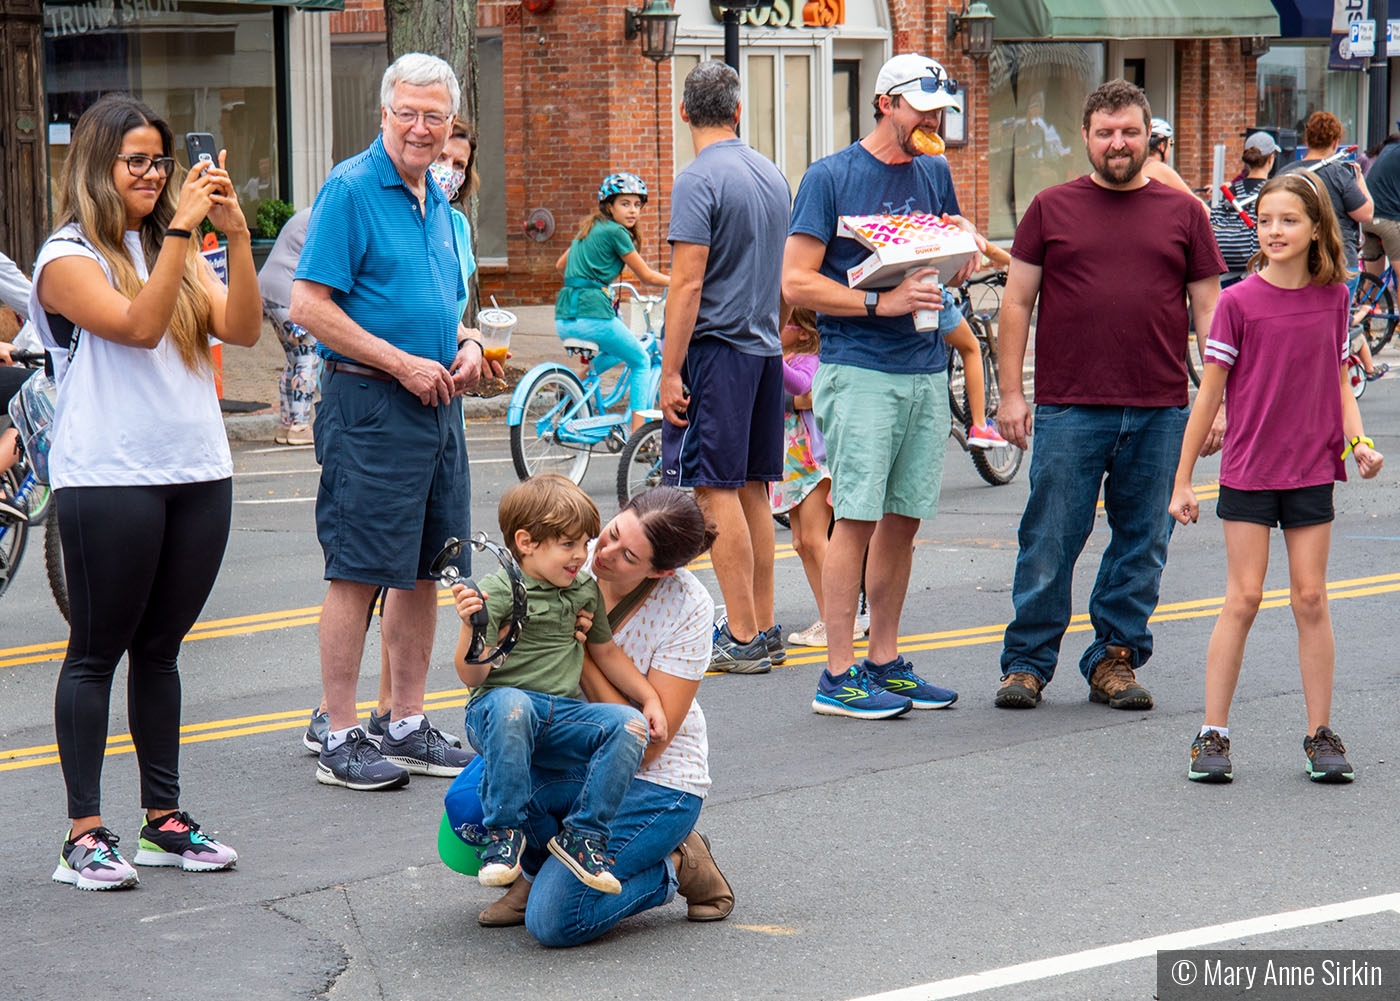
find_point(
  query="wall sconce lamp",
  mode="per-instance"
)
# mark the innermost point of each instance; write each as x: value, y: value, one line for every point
x: 974, y: 24
x: 1254, y: 45
x: 656, y: 23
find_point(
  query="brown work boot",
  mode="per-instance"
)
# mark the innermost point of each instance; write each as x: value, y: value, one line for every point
x: 1019, y: 690
x: 509, y: 909
x: 707, y: 893
x: 1112, y: 681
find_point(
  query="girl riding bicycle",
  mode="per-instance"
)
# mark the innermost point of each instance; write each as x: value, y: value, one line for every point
x: 606, y: 242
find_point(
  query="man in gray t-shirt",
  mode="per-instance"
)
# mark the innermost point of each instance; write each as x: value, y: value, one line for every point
x: 721, y: 370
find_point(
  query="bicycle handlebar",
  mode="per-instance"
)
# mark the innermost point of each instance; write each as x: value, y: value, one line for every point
x: 616, y: 287
x: 28, y: 359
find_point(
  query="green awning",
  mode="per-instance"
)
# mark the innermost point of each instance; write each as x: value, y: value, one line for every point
x: 1065, y: 19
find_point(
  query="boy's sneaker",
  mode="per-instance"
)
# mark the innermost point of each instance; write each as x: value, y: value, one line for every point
x: 898, y: 677
x: 425, y: 751
x: 773, y: 638
x: 357, y: 764
x: 1019, y: 690
x: 379, y: 726
x: 1327, y: 758
x: 177, y: 840
x: 91, y: 862
x: 500, y: 860
x: 314, y: 739
x: 586, y: 859
x: 733, y: 657
x: 1210, y: 759
x: 1377, y: 371
x: 1112, y: 681
x: 857, y: 695
x: 985, y: 436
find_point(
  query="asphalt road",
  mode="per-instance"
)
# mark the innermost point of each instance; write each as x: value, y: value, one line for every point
x: 1011, y: 854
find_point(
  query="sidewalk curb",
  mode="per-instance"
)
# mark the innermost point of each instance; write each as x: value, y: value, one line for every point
x: 263, y: 427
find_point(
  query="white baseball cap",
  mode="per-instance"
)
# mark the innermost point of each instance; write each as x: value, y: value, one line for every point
x: 921, y: 81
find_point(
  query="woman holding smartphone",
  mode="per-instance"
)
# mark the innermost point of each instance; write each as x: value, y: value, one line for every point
x: 140, y: 463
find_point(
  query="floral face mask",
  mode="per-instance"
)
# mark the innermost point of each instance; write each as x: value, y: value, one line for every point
x: 448, y: 178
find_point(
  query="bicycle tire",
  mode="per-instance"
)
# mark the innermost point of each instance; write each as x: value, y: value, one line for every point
x: 16, y: 536
x: 1195, y: 359
x: 1356, y: 375
x: 1378, y: 325
x: 957, y: 388
x: 53, y: 563
x: 532, y: 445
x: 640, y: 467
x: 997, y: 466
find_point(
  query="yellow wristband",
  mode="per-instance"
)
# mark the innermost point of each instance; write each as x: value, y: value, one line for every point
x: 1360, y: 439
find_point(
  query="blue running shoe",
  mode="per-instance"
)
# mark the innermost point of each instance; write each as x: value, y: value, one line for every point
x: 733, y: 657
x: 357, y: 764
x: 857, y: 695
x: 898, y: 677
x: 379, y: 726
x: 425, y: 751
x: 773, y: 638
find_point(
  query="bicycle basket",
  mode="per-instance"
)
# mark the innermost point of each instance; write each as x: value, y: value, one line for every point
x: 31, y: 412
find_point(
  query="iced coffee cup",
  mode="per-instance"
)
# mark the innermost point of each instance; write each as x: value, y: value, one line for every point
x: 495, y: 325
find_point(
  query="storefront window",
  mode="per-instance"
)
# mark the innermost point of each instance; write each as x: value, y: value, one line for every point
x: 491, y: 150
x: 356, y: 71
x: 1036, y: 105
x: 1294, y: 81
x: 201, y: 67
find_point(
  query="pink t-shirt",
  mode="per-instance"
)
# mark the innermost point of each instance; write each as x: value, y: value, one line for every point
x: 1284, y: 349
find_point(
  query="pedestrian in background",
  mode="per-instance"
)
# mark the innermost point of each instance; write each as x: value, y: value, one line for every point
x: 296, y: 389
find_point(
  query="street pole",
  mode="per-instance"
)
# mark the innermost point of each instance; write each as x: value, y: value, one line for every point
x: 1378, y: 121
x: 731, y: 38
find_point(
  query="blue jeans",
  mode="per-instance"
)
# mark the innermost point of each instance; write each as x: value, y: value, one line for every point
x: 652, y: 821
x: 1076, y: 447
x: 514, y: 729
x: 616, y: 346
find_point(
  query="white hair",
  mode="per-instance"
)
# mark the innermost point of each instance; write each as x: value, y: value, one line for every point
x: 418, y: 69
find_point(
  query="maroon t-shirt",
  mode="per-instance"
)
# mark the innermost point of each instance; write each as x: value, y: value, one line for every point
x: 1113, y: 320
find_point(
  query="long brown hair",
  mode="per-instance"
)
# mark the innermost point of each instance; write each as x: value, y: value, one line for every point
x: 598, y: 215
x: 1326, y: 262
x: 88, y: 197
x: 674, y: 524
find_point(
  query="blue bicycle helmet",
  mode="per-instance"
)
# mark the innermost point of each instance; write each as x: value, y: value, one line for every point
x: 622, y: 183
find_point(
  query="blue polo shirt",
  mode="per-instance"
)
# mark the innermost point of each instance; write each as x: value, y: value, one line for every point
x: 392, y: 268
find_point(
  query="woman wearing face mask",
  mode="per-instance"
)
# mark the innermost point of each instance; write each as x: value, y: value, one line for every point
x: 455, y: 173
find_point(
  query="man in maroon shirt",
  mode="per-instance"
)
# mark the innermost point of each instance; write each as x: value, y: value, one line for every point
x: 1113, y: 258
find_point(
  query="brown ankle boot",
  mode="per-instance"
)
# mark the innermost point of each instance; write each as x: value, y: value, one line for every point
x: 707, y: 893
x: 509, y: 909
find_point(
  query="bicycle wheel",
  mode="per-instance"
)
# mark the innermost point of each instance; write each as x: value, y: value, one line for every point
x: 1195, y: 356
x: 640, y: 468
x: 1375, y: 298
x: 957, y: 389
x: 554, y: 397
x: 13, y: 536
x: 998, y: 466
x: 53, y: 563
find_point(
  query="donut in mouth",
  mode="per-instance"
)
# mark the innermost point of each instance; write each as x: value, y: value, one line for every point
x: 928, y: 143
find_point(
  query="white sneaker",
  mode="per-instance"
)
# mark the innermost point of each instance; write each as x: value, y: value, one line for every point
x: 862, y: 629
x: 295, y: 434
x: 813, y: 635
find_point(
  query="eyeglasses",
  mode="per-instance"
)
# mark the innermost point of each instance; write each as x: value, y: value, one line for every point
x: 139, y: 164
x: 928, y: 84
x: 431, y: 119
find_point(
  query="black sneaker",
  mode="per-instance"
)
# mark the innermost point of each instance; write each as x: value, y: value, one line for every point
x: 1210, y: 759
x: 425, y: 751
x: 1327, y: 761
x: 176, y: 840
x: 357, y: 764
x: 773, y: 638
x: 500, y: 860
x: 732, y: 657
x: 587, y: 859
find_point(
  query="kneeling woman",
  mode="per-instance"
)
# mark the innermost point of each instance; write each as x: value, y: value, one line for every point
x: 662, y: 617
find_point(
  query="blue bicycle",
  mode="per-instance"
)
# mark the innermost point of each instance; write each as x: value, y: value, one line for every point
x: 24, y: 486
x: 556, y: 419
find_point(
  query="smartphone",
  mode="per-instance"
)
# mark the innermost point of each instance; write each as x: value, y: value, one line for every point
x: 200, y: 146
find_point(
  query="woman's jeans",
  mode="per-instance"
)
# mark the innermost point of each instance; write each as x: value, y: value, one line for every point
x: 616, y: 346
x: 651, y: 822
x: 1076, y: 447
x: 514, y: 729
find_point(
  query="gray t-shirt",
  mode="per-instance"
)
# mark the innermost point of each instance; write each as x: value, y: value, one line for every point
x: 275, y: 278
x: 733, y: 200
x: 1347, y: 196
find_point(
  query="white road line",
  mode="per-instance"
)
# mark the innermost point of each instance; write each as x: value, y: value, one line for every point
x: 280, y: 500
x: 1074, y: 962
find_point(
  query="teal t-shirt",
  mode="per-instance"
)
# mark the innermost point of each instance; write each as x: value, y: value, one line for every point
x: 547, y: 658
x: 593, y: 262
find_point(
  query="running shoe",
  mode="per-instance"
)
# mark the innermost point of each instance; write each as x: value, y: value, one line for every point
x: 379, y: 726
x: 773, y: 638
x: 1327, y: 758
x: 1378, y: 372
x: 357, y: 764
x: 425, y: 752
x: 898, y: 678
x: 12, y: 512
x: 587, y: 859
x: 500, y: 860
x: 1210, y: 759
x: 314, y: 739
x: 985, y: 436
x: 91, y: 862
x: 733, y: 657
x: 857, y: 695
x: 176, y: 840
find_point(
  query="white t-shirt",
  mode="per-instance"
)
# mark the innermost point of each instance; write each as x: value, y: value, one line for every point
x: 128, y: 416
x: 671, y: 632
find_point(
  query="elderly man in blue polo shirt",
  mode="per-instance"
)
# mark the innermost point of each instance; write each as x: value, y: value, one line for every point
x: 378, y: 284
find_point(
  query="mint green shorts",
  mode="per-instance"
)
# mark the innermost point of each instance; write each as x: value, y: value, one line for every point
x: 885, y: 439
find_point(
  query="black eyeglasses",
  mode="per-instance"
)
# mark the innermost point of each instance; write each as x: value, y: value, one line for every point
x: 929, y: 84
x: 139, y: 164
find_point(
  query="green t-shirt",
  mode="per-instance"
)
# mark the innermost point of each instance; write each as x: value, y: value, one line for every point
x: 547, y: 658
x: 593, y: 262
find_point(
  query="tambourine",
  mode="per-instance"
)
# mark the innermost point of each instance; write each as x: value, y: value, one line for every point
x: 448, y: 575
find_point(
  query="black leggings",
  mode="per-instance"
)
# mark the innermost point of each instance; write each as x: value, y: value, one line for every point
x: 140, y: 562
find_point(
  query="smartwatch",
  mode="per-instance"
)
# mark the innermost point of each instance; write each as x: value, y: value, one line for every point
x: 872, y: 300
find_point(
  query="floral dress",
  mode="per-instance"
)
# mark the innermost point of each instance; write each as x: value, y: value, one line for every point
x: 804, y: 451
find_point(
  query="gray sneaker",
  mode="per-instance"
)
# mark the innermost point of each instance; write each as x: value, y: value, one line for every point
x: 425, y: 752
x: 357, y: 764
x: 732, y: 657
x: 314, y: 739
x: 379, y: 726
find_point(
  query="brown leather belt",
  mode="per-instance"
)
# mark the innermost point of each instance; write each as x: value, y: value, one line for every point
x: 352, y: 368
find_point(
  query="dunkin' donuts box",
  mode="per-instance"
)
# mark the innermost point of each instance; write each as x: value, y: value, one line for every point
x: 903, y: 243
